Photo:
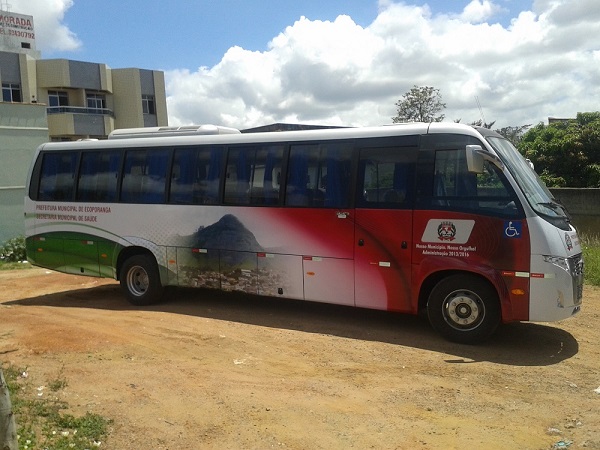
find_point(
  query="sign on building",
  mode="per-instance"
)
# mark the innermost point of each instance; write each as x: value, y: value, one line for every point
x: 16, y: 32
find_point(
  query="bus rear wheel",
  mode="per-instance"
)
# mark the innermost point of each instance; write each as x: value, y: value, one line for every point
x: 140, y: 280
x: 464, y: 309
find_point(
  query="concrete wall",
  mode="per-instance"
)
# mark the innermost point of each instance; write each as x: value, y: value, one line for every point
x: 584, y: 202
x: 23, y: 127
x: 127, y: 89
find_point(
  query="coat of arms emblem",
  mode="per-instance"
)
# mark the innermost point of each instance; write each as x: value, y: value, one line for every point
x: 446, y: 231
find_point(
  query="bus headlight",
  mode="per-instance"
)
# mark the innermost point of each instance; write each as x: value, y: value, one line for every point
x: 559, y: 261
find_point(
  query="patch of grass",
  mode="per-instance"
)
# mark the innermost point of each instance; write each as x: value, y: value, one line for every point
x: 60, y: 382
x: 591, y: 258
x: 14, y: 265
x: 40, y: 418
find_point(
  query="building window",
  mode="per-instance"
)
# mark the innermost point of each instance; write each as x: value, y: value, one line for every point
x: 96, y: 101
x: 58, y: 98
x: 11, y: 92
x: 148, y: 105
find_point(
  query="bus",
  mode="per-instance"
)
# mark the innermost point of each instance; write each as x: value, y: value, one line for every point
x: 440, y: 218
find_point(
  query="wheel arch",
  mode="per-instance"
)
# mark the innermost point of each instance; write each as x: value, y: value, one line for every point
x: 435, y: 277
x: 127, y: 253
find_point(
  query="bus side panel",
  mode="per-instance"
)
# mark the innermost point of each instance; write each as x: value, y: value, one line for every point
x: 81, y: 256
x: 324, y: 237
x: 288, y: 252
x: 108, y: 253
x: 323, y: 280
x: 495, y: 248
x: 198, y: 267
x: 280, y: 275
x: 239, y: 271
x: 45, y: 251
x: 172, y: 266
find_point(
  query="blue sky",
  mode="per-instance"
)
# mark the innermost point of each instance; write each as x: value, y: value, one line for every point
x: 189, y: 34
x: 339, y: 62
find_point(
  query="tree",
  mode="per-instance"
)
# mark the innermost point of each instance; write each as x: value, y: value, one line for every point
x: 420, y: 104
x: 481, y: 123
x: 513, y: 134
x: 566, y: 153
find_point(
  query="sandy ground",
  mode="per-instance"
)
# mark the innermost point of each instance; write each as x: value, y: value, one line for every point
x: 213, y: 370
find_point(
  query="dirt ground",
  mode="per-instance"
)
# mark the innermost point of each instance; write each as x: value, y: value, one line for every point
x: 212, y: 370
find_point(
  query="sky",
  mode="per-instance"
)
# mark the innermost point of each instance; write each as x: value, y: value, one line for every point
x: 339, y: 62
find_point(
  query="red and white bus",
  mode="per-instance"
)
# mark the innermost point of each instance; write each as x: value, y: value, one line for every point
x: 440, y: 217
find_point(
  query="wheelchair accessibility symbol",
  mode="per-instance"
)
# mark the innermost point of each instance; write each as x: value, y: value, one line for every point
x: 512, y: 229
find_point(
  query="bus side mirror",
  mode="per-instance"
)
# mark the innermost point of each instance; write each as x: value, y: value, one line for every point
x: 474, y: 158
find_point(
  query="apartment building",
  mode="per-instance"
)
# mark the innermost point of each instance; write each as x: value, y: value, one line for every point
x: 58, y: 100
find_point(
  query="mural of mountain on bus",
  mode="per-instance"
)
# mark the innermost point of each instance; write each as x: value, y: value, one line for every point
x: 224, y: 256
x: 227, y: 234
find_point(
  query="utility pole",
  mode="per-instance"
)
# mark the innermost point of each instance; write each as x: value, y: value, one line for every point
x: 8, y: 429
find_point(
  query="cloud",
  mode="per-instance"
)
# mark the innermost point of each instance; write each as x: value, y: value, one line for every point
x: 479, y: 11
x: 337, y: 72
x: 51, y: 33
x: 542, y: 62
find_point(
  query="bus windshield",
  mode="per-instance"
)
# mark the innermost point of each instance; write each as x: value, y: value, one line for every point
x: 537, y: 194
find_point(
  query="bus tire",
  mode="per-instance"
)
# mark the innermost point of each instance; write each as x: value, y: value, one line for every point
x: 464, y: 308
x: 140, y: 280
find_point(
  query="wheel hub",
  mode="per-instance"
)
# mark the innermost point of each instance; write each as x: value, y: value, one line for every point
x: 463, y: 310
x: 138, y: 281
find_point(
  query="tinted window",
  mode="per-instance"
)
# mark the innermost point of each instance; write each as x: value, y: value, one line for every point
x: 319, y: 176
x: 98, y: 176
x: 196, y: 174
x: 386, y: 177
x: 144, y: 176
x: 455, y: 188
x: 57, y: 180
x: 253, y: 175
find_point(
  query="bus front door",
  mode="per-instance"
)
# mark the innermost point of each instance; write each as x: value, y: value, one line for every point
x: 383, y: 233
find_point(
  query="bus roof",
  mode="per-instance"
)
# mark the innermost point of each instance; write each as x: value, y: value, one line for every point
x: 217, y: 135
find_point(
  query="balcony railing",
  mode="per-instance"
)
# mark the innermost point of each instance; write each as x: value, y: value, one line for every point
x: 79, y: 110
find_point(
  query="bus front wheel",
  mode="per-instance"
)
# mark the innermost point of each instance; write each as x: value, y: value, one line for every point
x: 464, y: 309
x: 140, y: 280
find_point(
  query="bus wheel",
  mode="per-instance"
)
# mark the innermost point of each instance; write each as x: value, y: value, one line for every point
x: 141, y: 281
x: 464, y: 309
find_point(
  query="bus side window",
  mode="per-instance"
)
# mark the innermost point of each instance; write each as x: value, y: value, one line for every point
x: 252, y: 175
x: 266, y: 175
x: 195, y: 175
x: 57, y: 176
x: 144, y: 176
x: 386, y: 177
x: 98, y: 176
x: 319, y: 176
x: 457, y: 189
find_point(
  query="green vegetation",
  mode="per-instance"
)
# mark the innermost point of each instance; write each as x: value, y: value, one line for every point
x: 591, y: 258
x: 14, y: 266
x: 566, y: 153
x: 41, y: 422
x: 420, y: 104
x: 12, y: 254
